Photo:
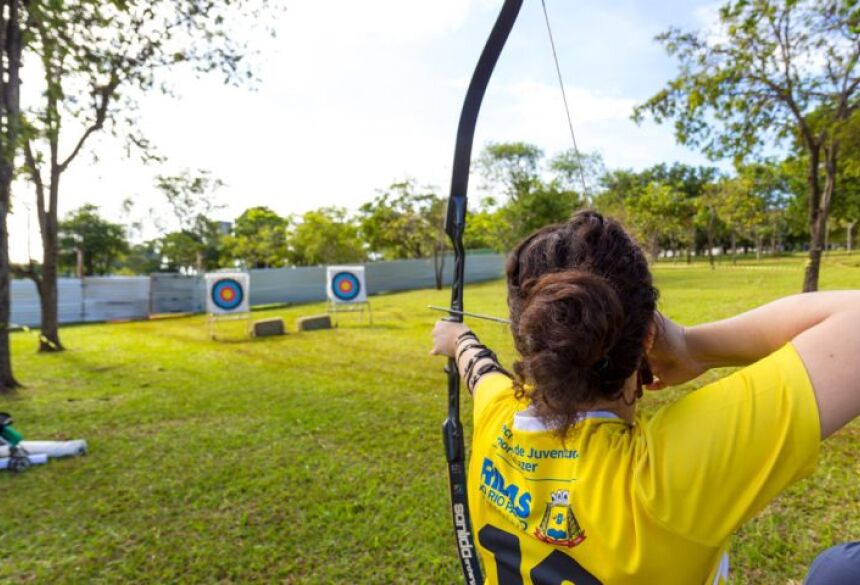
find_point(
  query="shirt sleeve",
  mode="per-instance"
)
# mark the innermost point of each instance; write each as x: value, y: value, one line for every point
x: 719, y: 455
x: 492, y: 389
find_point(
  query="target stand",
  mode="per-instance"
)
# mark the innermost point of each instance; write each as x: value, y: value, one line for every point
x: 347, y: 292
x: 227, y: 299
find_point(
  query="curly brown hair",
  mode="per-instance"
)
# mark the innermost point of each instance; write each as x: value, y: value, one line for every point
x: 581, y: 302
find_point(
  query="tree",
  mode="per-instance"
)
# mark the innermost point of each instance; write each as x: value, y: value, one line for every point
x: 325, y: 236
x: 707, y: 216
x: 572, y: 170
x: 142, y: 258
x: 11, y: 45
x: 404, y: 223
x: 483, y: 230
x: 513, y: 165
x: 182, y: 251
x: 779, y: 70
x: 690, y: 182
x: 259, y: 239
x: 846, y: 207
x: 656, y: 213
x: 197, y: 244
x: 530, y: 202
x: 544, y: 204
x: 740, y: 209
x: 100, y: 242
x: 94, y: 58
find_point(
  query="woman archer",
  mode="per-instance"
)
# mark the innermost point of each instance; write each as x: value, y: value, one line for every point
x: 567, y: 482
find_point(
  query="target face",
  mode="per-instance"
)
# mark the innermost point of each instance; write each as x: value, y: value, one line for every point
x: 345, y: 286
x: 227, y: 294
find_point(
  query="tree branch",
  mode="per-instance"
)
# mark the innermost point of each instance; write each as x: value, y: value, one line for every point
x: 105, y: 93
x: 29, y: 272
x: 32, y: 168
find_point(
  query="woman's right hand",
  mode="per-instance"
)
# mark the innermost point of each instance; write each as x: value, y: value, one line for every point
x: 669, y: 356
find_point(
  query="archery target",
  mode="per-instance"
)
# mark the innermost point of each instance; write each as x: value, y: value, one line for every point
x: 227, y: 293
x: 345, y: 284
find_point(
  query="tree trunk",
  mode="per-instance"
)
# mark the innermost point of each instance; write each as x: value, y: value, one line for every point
x: 439, y: 265
x: 849, y: 236
x: 10, y: 57
x: 49, y: 336
x: 654, y: 250
x: 817, y: 222
x: 734, y: 248
x: 711, y: 249
x: 758, y: 244
x: 773, y: 238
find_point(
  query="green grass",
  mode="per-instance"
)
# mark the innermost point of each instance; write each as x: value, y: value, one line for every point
x: 316, y: 457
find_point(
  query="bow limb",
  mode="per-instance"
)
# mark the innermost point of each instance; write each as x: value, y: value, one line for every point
x: 455, y: 226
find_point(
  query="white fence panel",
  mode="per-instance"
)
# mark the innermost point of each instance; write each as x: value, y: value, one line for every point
x: 177, y: 293
x: 25, y: 302
x: 413, y: 274
x: 108, y: 298
x: 287, y: 285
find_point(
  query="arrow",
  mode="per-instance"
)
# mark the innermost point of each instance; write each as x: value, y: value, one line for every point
x: 469, y: 314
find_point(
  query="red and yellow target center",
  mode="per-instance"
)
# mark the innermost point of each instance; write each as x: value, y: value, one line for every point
x: 227, y: 294
x: 345, y: 286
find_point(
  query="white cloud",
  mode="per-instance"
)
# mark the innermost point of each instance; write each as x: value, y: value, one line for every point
x: 534, y: 112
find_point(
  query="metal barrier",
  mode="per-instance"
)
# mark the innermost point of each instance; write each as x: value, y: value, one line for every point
x: 98, y: 298
x: 108, y: 298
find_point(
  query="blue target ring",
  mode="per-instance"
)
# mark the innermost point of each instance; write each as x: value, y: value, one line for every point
x: 227, y: 294
x: 345, y: 286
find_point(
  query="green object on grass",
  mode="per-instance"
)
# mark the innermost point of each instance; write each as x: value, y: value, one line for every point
x: 11, y: 435
x: 7, y: 432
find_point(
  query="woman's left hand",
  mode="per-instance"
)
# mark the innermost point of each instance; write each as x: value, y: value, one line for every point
x: 445, y: 335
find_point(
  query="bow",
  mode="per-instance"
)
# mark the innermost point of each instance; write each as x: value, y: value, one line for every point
x: 455, y: 225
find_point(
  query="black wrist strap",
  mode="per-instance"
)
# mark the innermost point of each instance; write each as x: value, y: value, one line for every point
x: 484, y: 370
x: 465, y: 335
x: 465, y: 348
x: 482, y: 354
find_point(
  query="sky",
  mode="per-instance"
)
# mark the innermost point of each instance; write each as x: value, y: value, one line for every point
x: 354, y: 96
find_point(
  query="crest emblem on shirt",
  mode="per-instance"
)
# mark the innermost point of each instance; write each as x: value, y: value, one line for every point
x: 558, y: 525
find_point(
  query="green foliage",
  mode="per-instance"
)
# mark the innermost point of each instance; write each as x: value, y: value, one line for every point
x: 403, y: 223
x: 289, y: 460
x: 529, y: 200
x: 196, y: 246
x: 660, y: 204
x: 544, y: 204
x: 656, y: 213
x: 769, y: 71
x: 571, y: 170
x: 512, y: 165
x: 142, y: 258
x: 483, y: 230
x: 325, y: 236
x: 259, y: 239
x: 101, y: 242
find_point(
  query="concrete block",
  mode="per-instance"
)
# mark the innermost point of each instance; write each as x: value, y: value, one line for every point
x: 268, y: 327
x: 314, y: 322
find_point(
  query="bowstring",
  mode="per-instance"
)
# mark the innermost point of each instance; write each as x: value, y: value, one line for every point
x: 579, y: 159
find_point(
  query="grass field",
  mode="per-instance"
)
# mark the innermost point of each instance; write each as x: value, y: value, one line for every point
x: 315, y: 457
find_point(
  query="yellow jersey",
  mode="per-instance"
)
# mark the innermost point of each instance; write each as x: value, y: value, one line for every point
x: 654, y: 502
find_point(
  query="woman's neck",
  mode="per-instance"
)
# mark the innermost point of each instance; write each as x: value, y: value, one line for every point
x: 624, y: 407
